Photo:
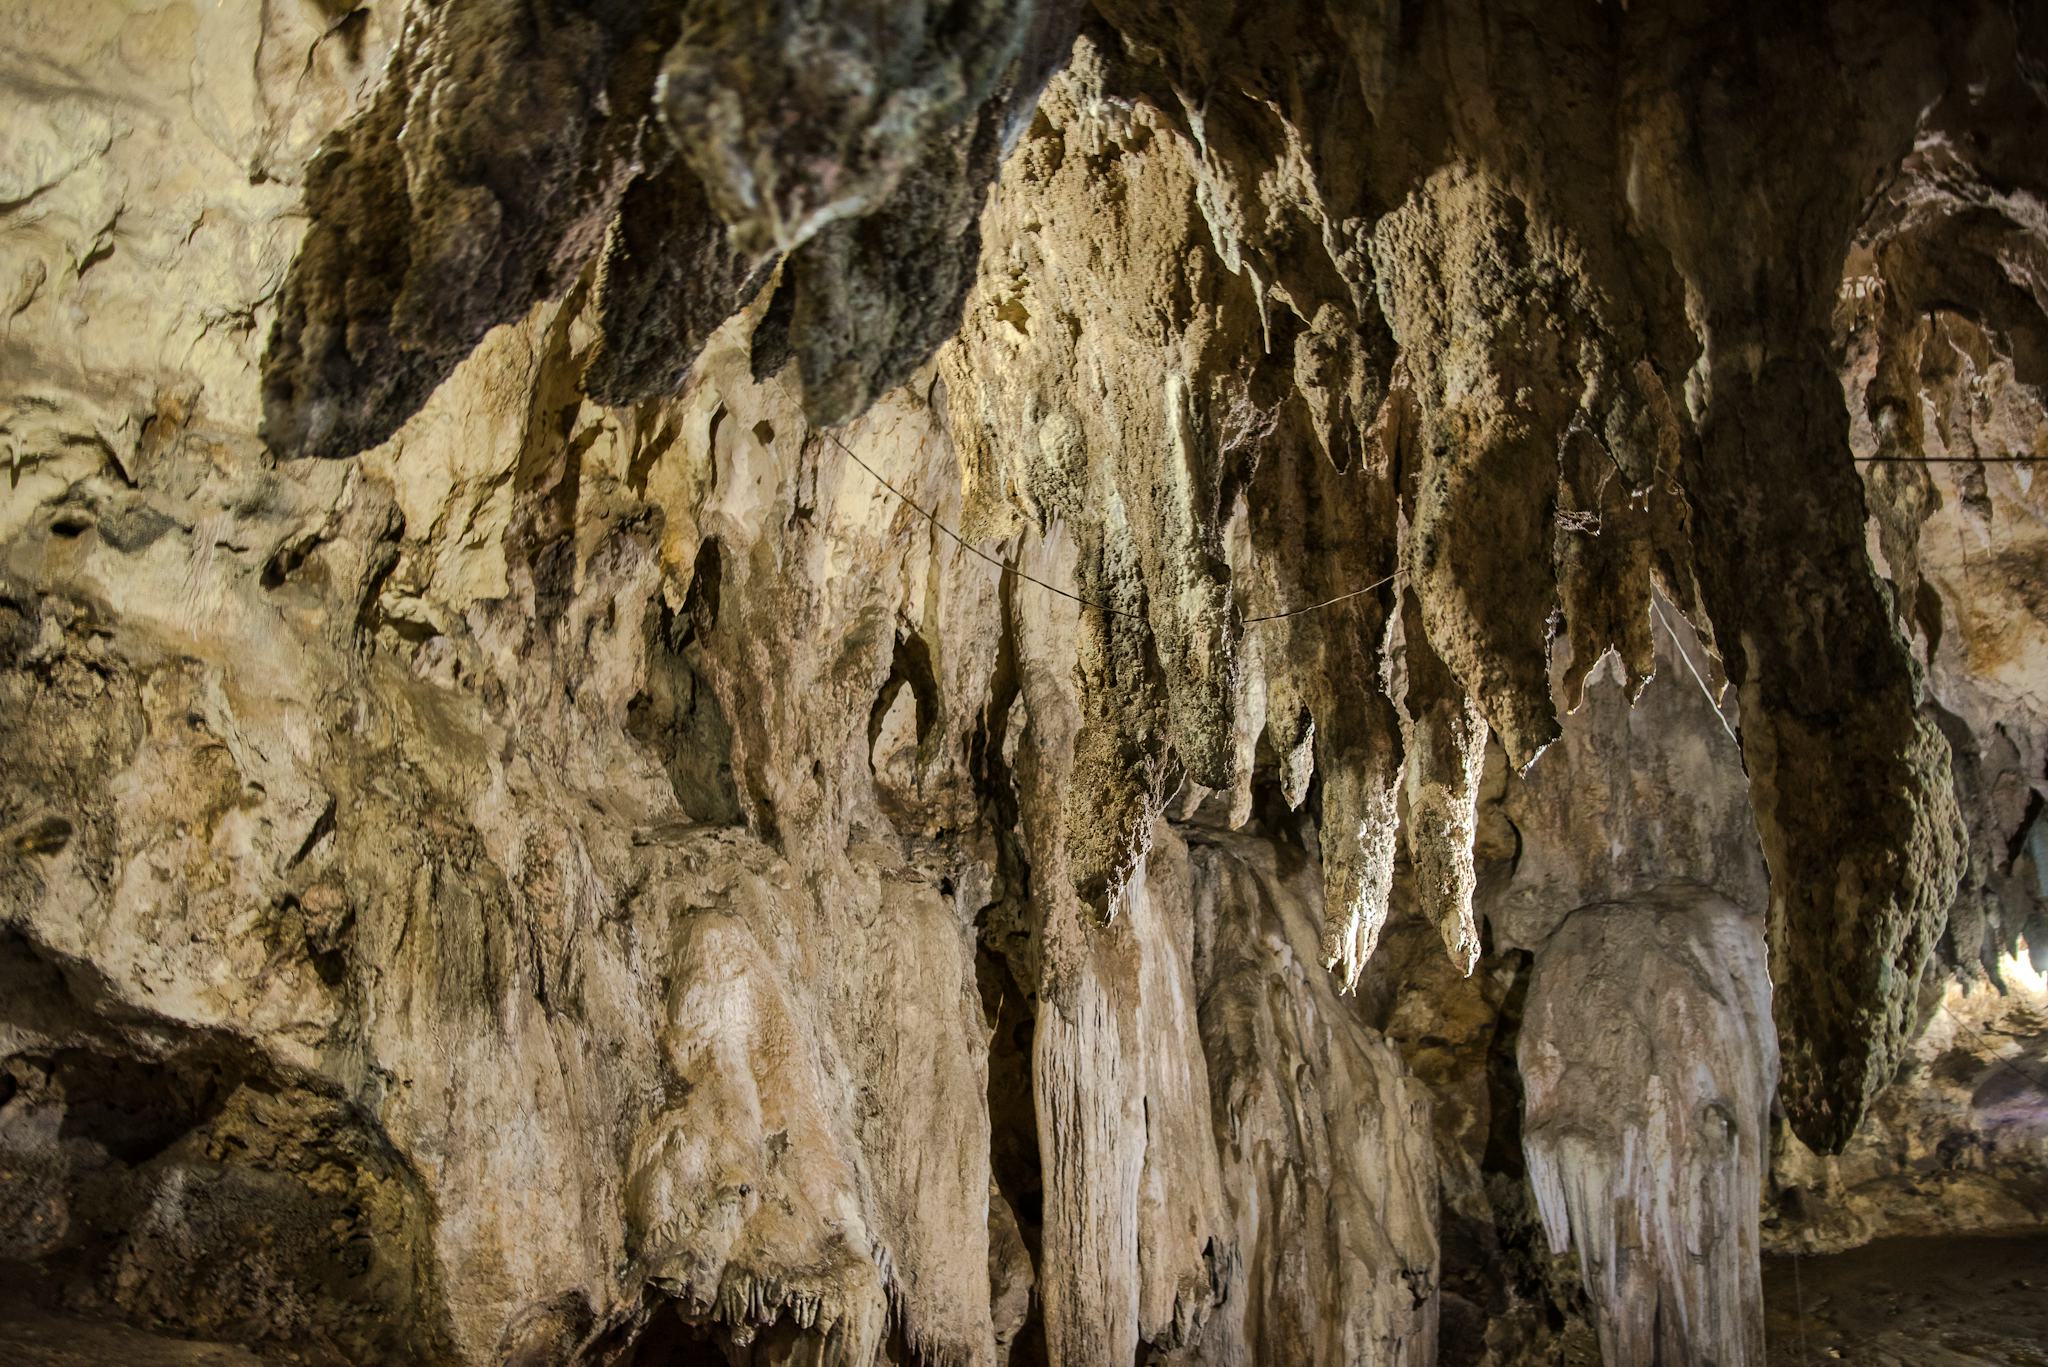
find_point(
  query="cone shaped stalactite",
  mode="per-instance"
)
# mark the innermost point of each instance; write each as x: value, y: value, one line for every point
x: 1119, y: 762
x: 1863, y: 869
x: 1863, y: 864
x: 873, y: 297
x: 1149, y: 469
x: 1319, y: 533
x: 1621, y: 513
x: 1446, y: 756
x: 1492, y: 403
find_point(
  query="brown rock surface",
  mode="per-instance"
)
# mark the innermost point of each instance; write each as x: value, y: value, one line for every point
x: 1013, y: 682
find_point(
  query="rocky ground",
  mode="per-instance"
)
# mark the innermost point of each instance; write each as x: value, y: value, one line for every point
x: 33, y: 1334
x: 1943, y: 1302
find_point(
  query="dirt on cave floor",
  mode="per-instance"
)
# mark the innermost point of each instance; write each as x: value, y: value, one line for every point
x: 1938, y: 1302
x: 34, y: 1333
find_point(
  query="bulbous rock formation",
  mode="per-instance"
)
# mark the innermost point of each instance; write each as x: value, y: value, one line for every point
x: 1015, y: 682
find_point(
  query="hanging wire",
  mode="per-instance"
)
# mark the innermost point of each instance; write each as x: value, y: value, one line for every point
x: 1327, y: 602
x: 1691, y: 668
x: 1070, y: 596
x: 962, y: 541
x: 2038, y: 1084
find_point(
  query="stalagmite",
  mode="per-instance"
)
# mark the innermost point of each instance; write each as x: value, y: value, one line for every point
x: 1649, y: 1063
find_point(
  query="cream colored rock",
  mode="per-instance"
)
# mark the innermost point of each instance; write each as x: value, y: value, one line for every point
x: 1649, y: 1062
x: 585, y: 883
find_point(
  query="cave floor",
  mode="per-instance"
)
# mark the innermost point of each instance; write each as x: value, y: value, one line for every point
x: 1947, y: 1302
x: 34, y: 1335
x: 42, y: 1339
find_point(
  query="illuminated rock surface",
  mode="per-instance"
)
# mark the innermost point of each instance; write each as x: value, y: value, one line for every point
x: 522, y: 841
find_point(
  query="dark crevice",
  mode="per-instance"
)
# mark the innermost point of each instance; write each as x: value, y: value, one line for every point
x: 179, y: 1179
x: 700, y: 604
x: 2024, y: 830
x: 911, y: 665
x: 323, y: 826
x: 132, y: 1108
x: 677, y: 714
x: 770, y: 348
x: 1005, y: 966
x: 1013, y: 1128
x: 1504, y: 1075
x: 1496, y: 1267
x: 659, y: 1334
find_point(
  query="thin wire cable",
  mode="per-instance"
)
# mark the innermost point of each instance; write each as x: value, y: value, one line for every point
x: 2038, y: 1084
x: 1327, y: 602
x: 1950, y: 460
x: 1693, y: 669
x: 1008, y: 568
x: 962, y: 541
x: 1376, y: 585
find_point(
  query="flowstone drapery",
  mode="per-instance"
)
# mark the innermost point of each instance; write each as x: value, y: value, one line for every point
x: 530, y: 836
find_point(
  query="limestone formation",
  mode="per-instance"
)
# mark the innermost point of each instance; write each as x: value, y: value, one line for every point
x: 1014, y: 682
x: 1649, y: 1064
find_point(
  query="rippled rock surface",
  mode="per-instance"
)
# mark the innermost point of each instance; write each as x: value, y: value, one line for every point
x: 1014, y: 682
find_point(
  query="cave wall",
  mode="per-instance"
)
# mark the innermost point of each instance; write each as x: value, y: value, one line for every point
x: 601, y: 876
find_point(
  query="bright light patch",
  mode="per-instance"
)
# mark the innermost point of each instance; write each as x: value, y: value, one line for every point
x: 2020, y: 974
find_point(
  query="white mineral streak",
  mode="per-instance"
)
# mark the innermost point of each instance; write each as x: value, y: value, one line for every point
x: 1341, y: 1214
x: 1362, y: 828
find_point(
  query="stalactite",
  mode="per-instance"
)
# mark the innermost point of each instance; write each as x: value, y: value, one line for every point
x: 1319, y: 533
x: 1491, y: 409
x: 1446, y: 754
x: 909, y: 594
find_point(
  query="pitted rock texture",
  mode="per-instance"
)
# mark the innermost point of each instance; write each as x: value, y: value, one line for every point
x: 477, y: 182
x: 510, y: 139
x: 1012, y: 683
